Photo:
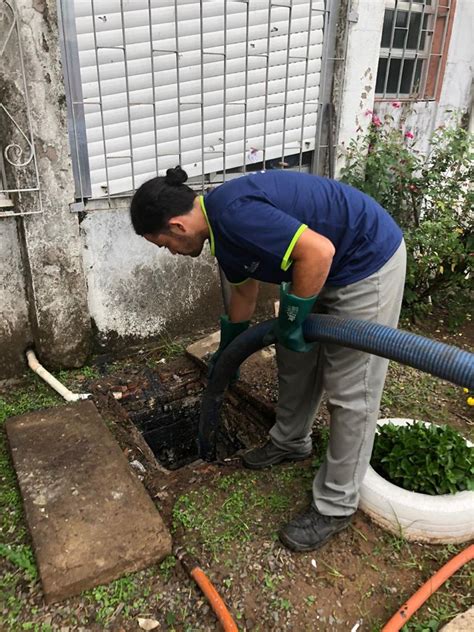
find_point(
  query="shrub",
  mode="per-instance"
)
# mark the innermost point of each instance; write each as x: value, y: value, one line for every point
x: 431, y: 199
x: 428, y: 459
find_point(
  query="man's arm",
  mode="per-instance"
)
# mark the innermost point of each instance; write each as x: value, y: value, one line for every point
x: 243, y: 300
x: 312, y: 258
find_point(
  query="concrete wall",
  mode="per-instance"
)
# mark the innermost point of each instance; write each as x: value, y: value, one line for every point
x: 60, y: 271
x: 15, y: 330
x: 456, y: 92
x: 136, y: 290
x: 48, y: 255
x: 360, y: 73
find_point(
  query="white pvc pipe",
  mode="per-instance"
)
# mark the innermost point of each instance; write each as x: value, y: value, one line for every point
x: 35, y: 366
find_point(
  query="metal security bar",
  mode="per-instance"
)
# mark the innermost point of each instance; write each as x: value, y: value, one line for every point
x: 220, y: 87
x: 18, y: 165
x: 413, y: 44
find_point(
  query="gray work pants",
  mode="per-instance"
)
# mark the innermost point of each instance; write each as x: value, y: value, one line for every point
x: 353, y: 381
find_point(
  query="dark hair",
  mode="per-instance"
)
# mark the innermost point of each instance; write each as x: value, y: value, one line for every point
x: 160, y: 199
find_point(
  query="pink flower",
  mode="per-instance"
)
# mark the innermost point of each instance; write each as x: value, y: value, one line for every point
x: 396, y: 104
x: 368, y: 113
x: 409, y: 135
x: 376, y: 121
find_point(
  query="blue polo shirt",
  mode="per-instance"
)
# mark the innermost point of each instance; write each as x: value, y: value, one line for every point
x: 256, y: 220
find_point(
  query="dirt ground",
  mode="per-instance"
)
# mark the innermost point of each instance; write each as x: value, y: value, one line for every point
x: 228, y: 517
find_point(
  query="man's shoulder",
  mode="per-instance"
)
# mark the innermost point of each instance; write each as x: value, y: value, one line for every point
x: 224, y: 195
x: 229, y: 194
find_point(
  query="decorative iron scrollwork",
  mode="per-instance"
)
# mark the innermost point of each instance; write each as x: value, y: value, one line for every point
x: 21, y: 168
x: 13, y: 152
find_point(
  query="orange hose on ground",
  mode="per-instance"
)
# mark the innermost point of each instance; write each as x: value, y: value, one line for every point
x: 422, y: 594
x: 214, y: 599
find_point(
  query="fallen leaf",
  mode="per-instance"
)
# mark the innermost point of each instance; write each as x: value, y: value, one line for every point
x: 147, y: 624
x: 138, y: 466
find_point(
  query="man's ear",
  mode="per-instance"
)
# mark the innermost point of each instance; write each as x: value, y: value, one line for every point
x: 176, y: 225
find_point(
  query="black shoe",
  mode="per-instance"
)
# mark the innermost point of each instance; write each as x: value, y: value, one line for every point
x: 269, y: 455
x: 310, y: 530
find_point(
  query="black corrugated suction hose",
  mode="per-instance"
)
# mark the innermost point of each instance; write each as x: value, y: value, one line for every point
x: 441, y: 360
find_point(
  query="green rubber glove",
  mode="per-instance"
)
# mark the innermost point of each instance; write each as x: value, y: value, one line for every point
x: 293, y: 312
x: 229, y: 331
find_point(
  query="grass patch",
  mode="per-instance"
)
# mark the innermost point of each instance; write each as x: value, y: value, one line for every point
x: 239, y: 507
x: 413, y: 394
x: 444, y: 604
x: 167, y: 566
x: 224, y: 519
x: 21, y: 556
x: 123, y: 596
x: 72, y: 377
x: 170, y: 348
x: 410, y: 392
x: 34, y: 396
x: 19, y: 567
x: 451, y: 598
x: 320, y: 444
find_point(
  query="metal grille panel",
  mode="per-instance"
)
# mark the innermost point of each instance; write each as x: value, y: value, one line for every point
x: 18, y: 164
x: 211, y: 85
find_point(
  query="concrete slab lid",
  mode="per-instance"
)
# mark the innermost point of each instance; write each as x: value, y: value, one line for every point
x: 464, y: 622
x: 90, y: 518
x: 200, y: 349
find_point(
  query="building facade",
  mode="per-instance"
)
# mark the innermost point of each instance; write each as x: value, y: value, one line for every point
x: 97, y: 96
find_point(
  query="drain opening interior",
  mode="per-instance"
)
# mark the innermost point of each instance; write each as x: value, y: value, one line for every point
x: 166, y: 407
x: 172, y: 434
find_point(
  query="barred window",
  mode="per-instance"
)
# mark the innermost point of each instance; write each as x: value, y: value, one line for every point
x: 413, y: 49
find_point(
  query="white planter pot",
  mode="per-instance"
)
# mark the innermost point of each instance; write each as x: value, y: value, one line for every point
x: 417, y: 517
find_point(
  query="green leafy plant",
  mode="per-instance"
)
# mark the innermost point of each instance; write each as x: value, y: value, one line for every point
x: 431, y: 199
x: 21, y: 556
x: 166, y: 567
x: 107, y: 599
x: 428, y: 459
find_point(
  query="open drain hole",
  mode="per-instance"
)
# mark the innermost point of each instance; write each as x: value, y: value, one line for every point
x: 172, y: 435
x: 165, y: 408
